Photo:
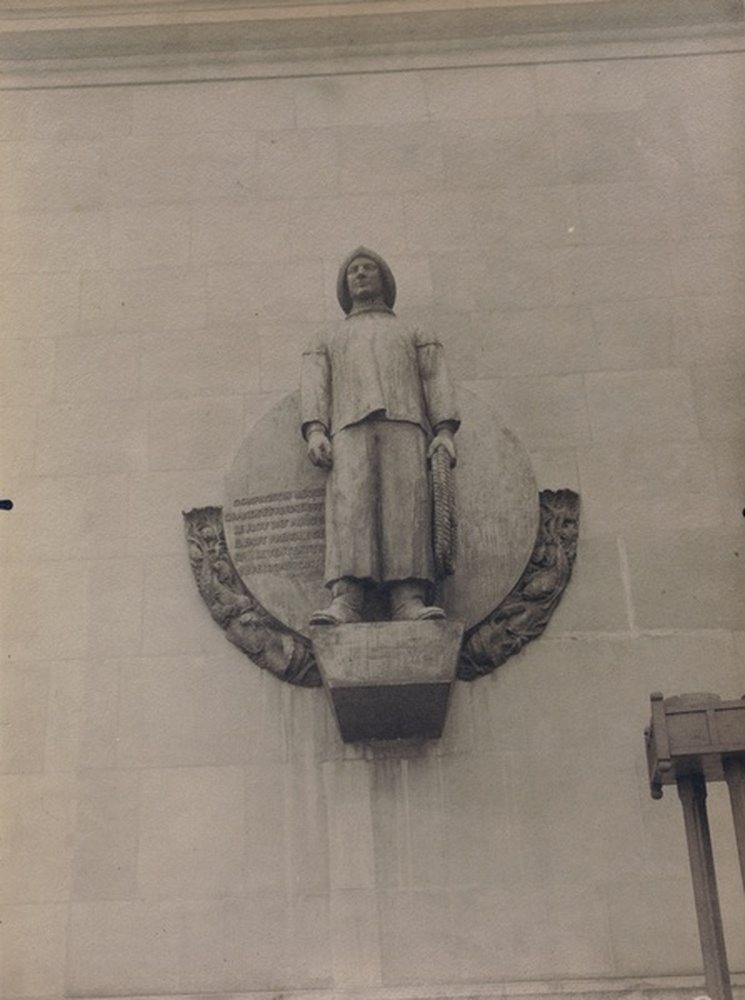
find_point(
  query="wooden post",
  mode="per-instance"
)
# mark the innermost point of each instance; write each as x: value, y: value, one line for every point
x: 692, y: 792
x: 734, y: 775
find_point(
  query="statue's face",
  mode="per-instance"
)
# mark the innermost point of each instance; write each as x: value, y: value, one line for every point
x: 364, y: 280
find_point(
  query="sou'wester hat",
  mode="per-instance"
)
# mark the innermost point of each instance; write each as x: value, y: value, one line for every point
x: 386, y: 276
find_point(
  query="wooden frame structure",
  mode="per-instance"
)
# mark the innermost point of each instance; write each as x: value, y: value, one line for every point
x: 692, y: 739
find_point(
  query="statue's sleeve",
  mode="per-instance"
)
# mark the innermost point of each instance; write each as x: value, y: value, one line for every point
x: 315, y: 388
x: 439, y: 392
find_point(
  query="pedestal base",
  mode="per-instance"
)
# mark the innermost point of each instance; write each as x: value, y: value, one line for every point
x: 388, y: 680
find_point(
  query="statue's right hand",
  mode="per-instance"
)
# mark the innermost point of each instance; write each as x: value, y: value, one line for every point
x: 319, y: 449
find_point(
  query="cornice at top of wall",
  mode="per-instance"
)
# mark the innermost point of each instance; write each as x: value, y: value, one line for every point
x: 61, y: 42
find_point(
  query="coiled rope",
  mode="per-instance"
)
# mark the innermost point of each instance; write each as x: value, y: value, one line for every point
x: 444, y: 520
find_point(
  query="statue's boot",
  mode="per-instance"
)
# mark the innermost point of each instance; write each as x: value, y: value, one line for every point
x: 407, y: 603
x: 346, y: 607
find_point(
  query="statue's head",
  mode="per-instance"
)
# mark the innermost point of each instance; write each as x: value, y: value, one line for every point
x: 365, y: 277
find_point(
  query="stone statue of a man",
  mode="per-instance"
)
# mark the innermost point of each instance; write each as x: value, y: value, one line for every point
x: 376, y: 402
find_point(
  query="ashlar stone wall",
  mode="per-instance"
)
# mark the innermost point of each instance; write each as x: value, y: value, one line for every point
x: 178, y: 822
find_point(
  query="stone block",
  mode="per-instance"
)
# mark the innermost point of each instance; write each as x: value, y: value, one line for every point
x: 160, y: 168
x: 321, y: 226
x: 644, y: 942
x: 515, y: 151
x: 425, y: 820
x: 113, y: 607
x: 142, y: 300
x: 730, y: 477
x: 717, y: 392
x: 564, y: 931
x: 543, y: 410
x: 44, y: 611
x: 191, y: 832
x: 634, y: 335
x: 502, y: 91
x: 551, y: 932
x: 388, y: 99
x: 267, y: 293
x: 106, y: 836
x: 79, y: 112
x: 33, y: 939
x: 528, y: 216
x: 713, y: 127
x: 399, y: 158
x: 27, y: 371
x: 97, y: 368
x: 691, y: 579
x: 224, y: 232
x: 648, y: 406
x: 272, y: 941
x: 441, y: 219
x: 183, y: 711
x: 568, y: 821
x: 281, y: 349
x: 355, y: 937
x: 223, y: 363
x: 625, y: 271
x: 639, y: 487
x: 16, y: 109
x: 42, y: 305
x: 591, y: 87
x: 24, y: 691
x: 388, y: 680
x: 629, y: 213
x: 309, y: 959
x: 621, y: 146
x: 237, y: 106
x: 197, y: 433
x: 407, y: 955
x: 497, y: 279
x: 83, y: 715
x: 714, y: 333
x: 55, y: 241
x: 152, y: 235
x: 92, y: 437
x: 38, y: 819
x: 349, y: 817
x: 231, y: 942
x: 267, y: 832
x: 551, y: 341
x: 714, y: 207
x: 476, y: 851
x: 308, y: 818
x: 709, y: 267
x: 392, y: 842
x: 63, y: 176
x: 497, y: 710
x: 125, y: 946
x: 298, y: 163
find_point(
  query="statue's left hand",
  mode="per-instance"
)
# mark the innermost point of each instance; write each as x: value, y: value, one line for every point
x: 319, y: 449
x: 443, y: 439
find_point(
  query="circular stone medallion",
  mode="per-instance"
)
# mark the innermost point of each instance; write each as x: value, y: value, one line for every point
x: 274, y: 516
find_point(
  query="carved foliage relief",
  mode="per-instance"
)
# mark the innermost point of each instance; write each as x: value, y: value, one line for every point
x: 247, y: 625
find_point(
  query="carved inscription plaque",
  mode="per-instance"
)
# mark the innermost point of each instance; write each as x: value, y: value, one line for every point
x: 278, y: 532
